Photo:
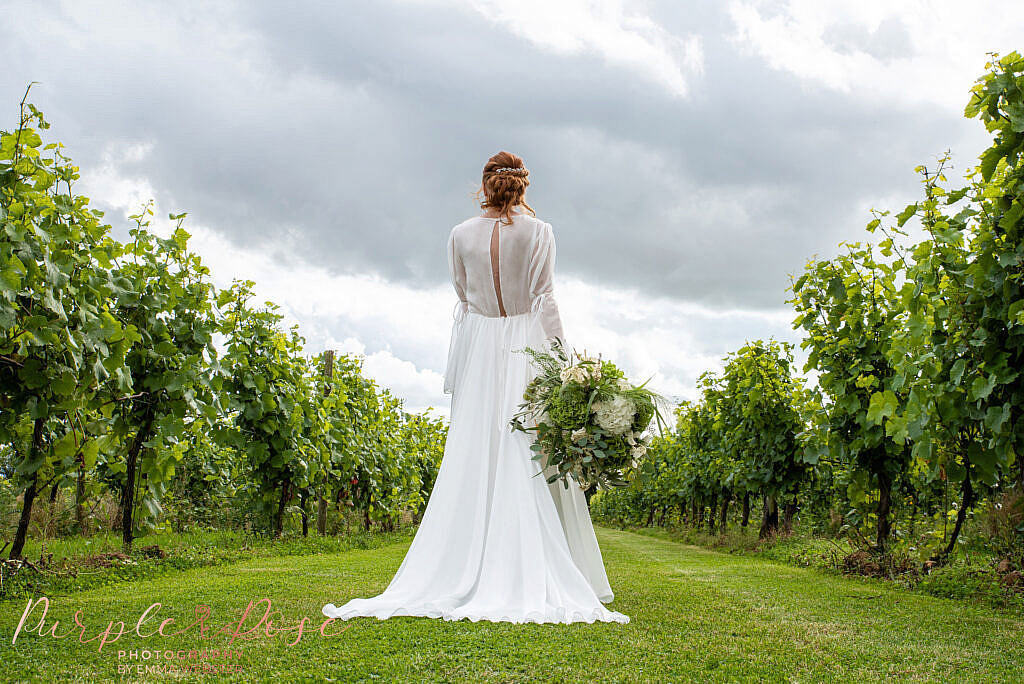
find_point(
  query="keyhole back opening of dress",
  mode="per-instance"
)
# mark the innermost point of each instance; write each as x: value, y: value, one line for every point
x: 495, y: 275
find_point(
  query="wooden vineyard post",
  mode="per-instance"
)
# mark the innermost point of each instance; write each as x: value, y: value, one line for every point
x: 321, y: 508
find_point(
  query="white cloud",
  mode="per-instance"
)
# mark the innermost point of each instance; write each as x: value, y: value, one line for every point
x: 909, y: 52
x: 668, y: 341
x: 623, y: 33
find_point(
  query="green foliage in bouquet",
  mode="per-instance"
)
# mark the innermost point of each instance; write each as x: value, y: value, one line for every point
x: 589, y: 420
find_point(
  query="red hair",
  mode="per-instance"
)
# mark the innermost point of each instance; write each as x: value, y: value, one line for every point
x: 506, y: 188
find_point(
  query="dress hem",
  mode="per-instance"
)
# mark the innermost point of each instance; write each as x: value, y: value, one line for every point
x: 555, y: 617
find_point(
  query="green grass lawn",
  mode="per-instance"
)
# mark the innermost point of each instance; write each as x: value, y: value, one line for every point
x: 696, y: 615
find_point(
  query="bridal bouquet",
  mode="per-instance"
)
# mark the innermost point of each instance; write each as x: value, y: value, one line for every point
x: 589, y: 420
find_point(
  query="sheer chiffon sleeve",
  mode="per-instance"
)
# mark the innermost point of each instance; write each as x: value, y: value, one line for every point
x: 542, y: 271
x: 457, y: 272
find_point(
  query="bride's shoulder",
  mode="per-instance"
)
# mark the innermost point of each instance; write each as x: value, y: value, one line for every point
x: 541, y: 225
x: 537, y: 222
x: 459, y: 226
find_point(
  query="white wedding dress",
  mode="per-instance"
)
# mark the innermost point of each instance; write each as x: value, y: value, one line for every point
x: 496, y: 541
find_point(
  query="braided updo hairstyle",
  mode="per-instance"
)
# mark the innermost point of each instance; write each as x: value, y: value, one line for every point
x: 504, y: 185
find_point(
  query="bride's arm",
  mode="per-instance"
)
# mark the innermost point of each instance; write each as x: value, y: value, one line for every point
x: 542, y: 272
x: 457, y: 271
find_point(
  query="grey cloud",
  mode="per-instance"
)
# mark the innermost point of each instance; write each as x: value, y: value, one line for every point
x: 355, y: 133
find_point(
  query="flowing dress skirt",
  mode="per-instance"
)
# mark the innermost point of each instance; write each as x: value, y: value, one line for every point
x: 496, y: 541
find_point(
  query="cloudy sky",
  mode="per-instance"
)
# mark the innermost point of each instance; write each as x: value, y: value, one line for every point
x: 690, y: 156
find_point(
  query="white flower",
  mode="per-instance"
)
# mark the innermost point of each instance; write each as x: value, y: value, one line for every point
x: 574, y: 374
x: 635, y: 438
x: 624, y: 384
x: 579, y: 434
x: 638, y: 451
x: 615, y: 416
x: 590, y: 365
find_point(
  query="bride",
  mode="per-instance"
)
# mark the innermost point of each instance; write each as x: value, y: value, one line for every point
x: 496, y: 541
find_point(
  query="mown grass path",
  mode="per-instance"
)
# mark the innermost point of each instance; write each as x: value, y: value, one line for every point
x: 697, y: 615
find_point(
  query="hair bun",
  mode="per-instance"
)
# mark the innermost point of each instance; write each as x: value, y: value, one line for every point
x: 504, y: 183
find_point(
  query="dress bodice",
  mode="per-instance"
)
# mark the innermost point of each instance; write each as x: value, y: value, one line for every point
x: 487, y: 257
